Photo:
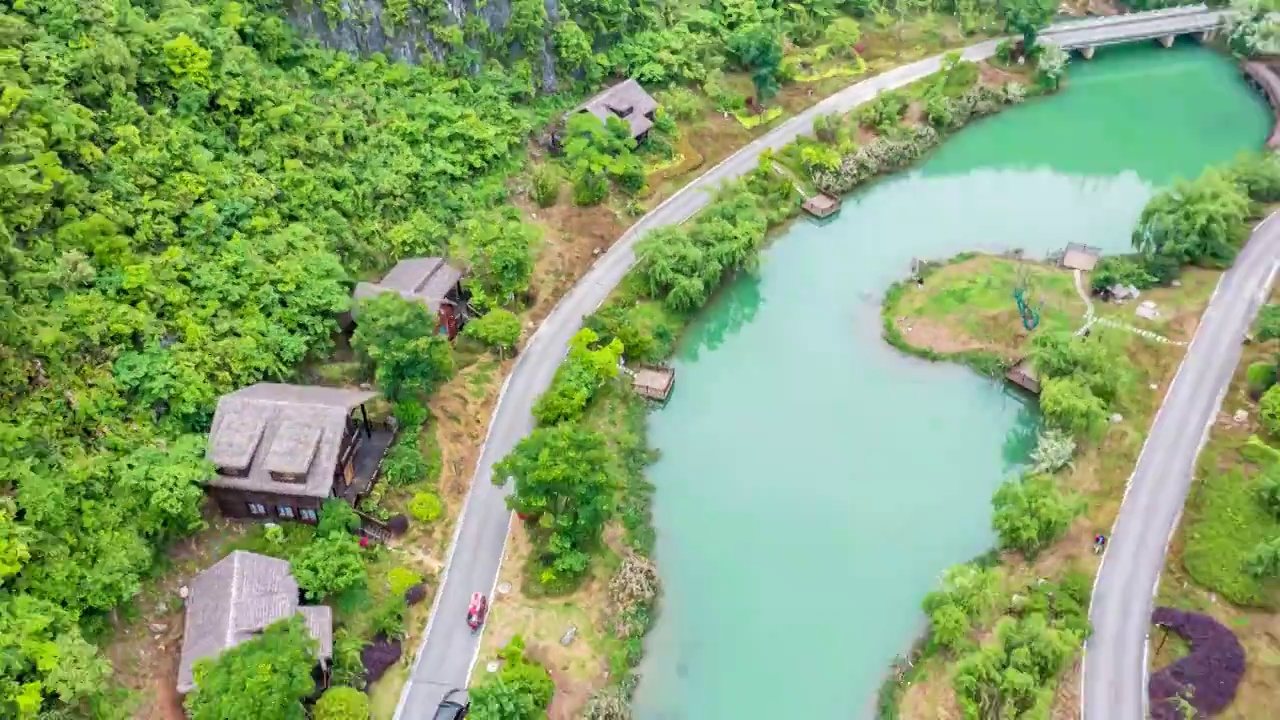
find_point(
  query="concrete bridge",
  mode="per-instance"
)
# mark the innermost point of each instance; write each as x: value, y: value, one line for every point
x: 1085, y: 36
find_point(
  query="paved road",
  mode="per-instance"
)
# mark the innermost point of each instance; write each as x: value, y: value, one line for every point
x: 1115, y: 670
x: 449, y: 649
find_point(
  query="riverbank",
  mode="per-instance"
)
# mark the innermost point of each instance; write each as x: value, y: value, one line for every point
x: 1075, y: 480
x: 649, y: 312
x: 1087, y: 490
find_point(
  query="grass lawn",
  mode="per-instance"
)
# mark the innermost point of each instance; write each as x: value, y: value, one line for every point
x: 969, y: 305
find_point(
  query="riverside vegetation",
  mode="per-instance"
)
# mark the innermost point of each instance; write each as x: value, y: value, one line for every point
x: 581, y: 472
x: 990, y: 621
x: 191, y: 191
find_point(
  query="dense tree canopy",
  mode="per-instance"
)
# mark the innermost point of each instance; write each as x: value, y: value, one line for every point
x: 401, y: 339
x: 265, y: 678
x: 1199, y: 221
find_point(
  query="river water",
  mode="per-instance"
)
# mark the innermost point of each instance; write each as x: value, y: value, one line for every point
x: 813, y: 482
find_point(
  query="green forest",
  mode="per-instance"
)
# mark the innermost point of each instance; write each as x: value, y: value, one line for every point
x: 190, y: 190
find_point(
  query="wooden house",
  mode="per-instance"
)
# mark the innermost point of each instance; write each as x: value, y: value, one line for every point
x: 428, y: 280
x: 279, y: 451
x: 237, y: 598
x: 627, y: 101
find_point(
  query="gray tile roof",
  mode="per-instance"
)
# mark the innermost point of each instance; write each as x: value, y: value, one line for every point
x: 626, y: 100
x: 293, y: 431
x: 427, y: 280
x: 238, y: 597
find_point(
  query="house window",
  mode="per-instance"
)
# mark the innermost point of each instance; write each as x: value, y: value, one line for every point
x: 285, y: 511
x: 307, y: 515
x: 257, y: 509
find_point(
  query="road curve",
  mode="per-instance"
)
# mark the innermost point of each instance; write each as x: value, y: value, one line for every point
x: 448, y: 650
x: 1114, y: 678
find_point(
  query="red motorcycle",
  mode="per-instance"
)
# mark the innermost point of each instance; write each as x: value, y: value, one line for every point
x: 476, y: 611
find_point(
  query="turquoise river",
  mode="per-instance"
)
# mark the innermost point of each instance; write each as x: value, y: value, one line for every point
x: 813, y: 482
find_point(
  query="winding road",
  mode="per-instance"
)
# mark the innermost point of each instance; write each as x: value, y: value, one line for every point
x: 1115, y: 660
x: 449, y: 649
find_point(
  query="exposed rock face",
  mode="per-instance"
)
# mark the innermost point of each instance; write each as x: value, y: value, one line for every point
x: 360, y: 29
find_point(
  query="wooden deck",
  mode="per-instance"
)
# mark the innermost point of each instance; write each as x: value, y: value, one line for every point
x: 822, y: 205
x: 1024, y: 376
x: 654, y: 382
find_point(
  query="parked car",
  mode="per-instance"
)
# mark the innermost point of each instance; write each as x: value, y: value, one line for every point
x: 450, y: 709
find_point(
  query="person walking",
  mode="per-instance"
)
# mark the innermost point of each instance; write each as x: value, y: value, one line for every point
x: 1099, y: 543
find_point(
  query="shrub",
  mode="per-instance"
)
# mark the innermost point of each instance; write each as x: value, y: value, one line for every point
x: 410, y: 414
x: 388, y: 618
x: 1123, y: 270
x: 965, y: 594
x: 415, y: 594
x: 400, y: 579
x: 498, y: 328
x: 378, y: 657
x: 426, y: 507
x: 882, y: 155
x: 346, y: 666
x: 342, y: 703
x: 328, y: 565
x: 404, y: 464
x: 398, y: 524
x: 336, y: 515
x: 1030, y: 514
x: 1054, y: 449
x: 1212, y: 670
x: 1260, y: 377
x: 884, y: 113
x: 544, y: 186
x: 1267, y: 326
x: 682, y: 103
x: 1269, y: 411
x: 1258, y: 174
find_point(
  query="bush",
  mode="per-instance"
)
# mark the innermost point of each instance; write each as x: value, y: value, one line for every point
x: 410, y: 414
x: 884, y: 113
x: 329, y: 565
x: 426, y: 507
x: 1054, y: 449
x: 415, y: 594
x: 342, y: 703
x: 378, y: 657
x: 404, y: 463
x: 400, y: 579
x: 336, y: 515
x: 1267, y: 326
x: 682, y: 103
x: 1123, y: 270
x: 966, y: 593
x: 544, y: 186
x: 1212, y: 670
x: 1258, y: 174
x: 388, y: 619
x: 398, y: 524
x: 1269, y: 411
x: 1069, y: 405
x: 1030, y: 514
x: 498, y: 328
x: 882, y: 155
x: 1260, y: 377
x: 347, y: 668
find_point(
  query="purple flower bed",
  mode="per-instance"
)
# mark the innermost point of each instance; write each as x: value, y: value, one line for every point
x: 1211, y: 671
x: 378, y: 656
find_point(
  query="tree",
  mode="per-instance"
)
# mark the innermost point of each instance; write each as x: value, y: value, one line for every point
x: 521, y: 690
x: 573, y: 47
x: 1030, y: 513
x: 596, y: 152
x: 1069, y: 405
x: 843, y: 34
x: 499, y: 251
x: 342, y: 703
x: 1010, y: 677
x: 965, y: 594
x: 1199, y: 222
x: 1259, y: 377
x: 266, y: 678
x: 563, y: 487
x: 758, y: 48
x: 401, y: 338
x: 1269, y: 411
x: 1090, y: 361
x: 329, y: 565
x: 584, y: 371
x: 1028, y: 17
x: 1053, y: 451
x: 1251, y: 28
x: 497, y: 328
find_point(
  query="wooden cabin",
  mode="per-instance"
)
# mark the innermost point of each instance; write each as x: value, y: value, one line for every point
x: 428, y: 280
x: 822, y: 205
x: 279, y: 451
x: 236, y: 598
x: 627, y: 101
x: 1023, y: 374
x: 654, y: 383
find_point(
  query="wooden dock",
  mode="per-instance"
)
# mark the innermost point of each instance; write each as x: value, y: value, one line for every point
x: 1024, y: 375
x: 822, y: 205
x: 654, y: 382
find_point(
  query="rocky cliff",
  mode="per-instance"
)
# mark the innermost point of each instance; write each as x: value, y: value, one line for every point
x: 402, y: 29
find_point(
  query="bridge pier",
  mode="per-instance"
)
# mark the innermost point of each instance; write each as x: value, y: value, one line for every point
x: 1206, y: 36
x: 1166, y: 40
x: 1086, y: 52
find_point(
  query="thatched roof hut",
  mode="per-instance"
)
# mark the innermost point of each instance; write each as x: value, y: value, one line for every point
x: 238, y: 597
x: 1080, y: 257
x: 627, y: 101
